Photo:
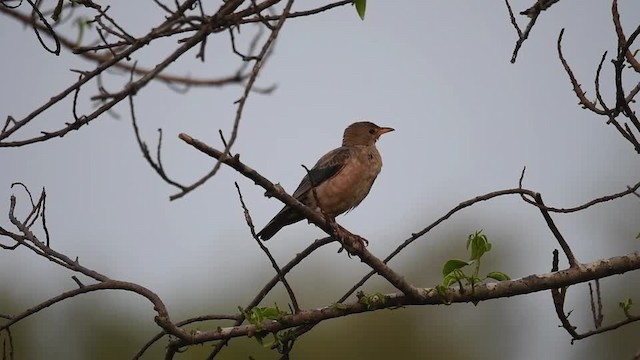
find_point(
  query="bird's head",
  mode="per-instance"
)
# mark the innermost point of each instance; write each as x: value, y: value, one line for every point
x: 363, y: 133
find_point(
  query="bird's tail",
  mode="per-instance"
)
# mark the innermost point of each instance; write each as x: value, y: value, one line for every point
x: 285, y: 217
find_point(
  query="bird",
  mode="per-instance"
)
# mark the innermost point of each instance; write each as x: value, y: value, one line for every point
x: 342, y: 178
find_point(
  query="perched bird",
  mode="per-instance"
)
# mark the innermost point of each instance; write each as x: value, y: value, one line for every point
x: 342, y: 178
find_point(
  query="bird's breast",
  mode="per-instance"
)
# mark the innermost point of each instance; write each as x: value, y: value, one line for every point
x: 351, y: 185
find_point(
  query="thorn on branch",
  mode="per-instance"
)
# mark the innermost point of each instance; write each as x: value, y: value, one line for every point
x: 10, y: 120
x: 77, y: 281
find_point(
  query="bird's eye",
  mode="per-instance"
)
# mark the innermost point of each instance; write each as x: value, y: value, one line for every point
x: 372, y: 131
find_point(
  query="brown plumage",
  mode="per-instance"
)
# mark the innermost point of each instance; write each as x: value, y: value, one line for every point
x: 342, y: 177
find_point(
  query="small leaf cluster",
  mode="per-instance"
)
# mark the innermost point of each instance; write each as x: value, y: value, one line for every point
x: 371, y: 301
x: 625, y: 305
x: 257, y: 315
x: 453, y: 270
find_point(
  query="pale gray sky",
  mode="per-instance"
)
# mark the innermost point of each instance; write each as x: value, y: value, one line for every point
x: 466, y: 123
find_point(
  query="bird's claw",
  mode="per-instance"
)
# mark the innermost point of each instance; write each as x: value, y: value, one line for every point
x: 342, y: 234
x: 363, y: 241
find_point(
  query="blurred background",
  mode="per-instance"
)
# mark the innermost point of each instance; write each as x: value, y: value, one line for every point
x: 467, y: 121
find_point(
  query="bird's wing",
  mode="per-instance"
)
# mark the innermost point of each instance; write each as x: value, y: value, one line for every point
x: 328, y: 166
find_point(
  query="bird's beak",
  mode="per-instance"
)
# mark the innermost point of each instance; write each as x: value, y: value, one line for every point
x: 384, y: 130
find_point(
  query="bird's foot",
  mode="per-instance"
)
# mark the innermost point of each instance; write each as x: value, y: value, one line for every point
x: 364, y: 241
x: 354, y: 242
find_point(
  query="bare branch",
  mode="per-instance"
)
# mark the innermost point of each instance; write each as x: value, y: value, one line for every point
x: 533, y: 14
x: 558, y: 295
x: 576, y: 86
x: 622, y: 40
x: 157, y: 167
x: 162, y: 319
x: 556, y: 233
x: 274, y: 264
x: 596, y: 311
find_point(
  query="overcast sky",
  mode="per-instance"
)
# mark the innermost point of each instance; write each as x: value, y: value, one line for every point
x: 467, y: 121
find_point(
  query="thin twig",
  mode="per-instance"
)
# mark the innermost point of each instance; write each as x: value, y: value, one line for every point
x: 261, y: 58
x: 598, y: 317
x: 556, y: 233
x: 157, y: 167
x: 558, y: 295
x: 635, y: 64
x: 274, y: 264
x: 522, y: 35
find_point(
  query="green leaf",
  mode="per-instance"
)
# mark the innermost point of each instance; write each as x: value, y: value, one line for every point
x: 361, y: 7
x: 257, y: 315
x: 638, y: 237
x: 271, y: 313
x: 499, y: 276
x: 449, y: 280
x: 479, y: 245
x: 626, y: 304
x: 453, y: 264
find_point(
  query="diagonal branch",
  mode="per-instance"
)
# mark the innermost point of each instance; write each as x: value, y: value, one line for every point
x: 350, y: 241
x: 556, y: 233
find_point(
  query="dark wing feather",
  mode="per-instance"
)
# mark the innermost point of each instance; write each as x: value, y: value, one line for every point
x: 327, y: 167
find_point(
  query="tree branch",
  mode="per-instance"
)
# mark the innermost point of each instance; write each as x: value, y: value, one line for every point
x: 530, y: 284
